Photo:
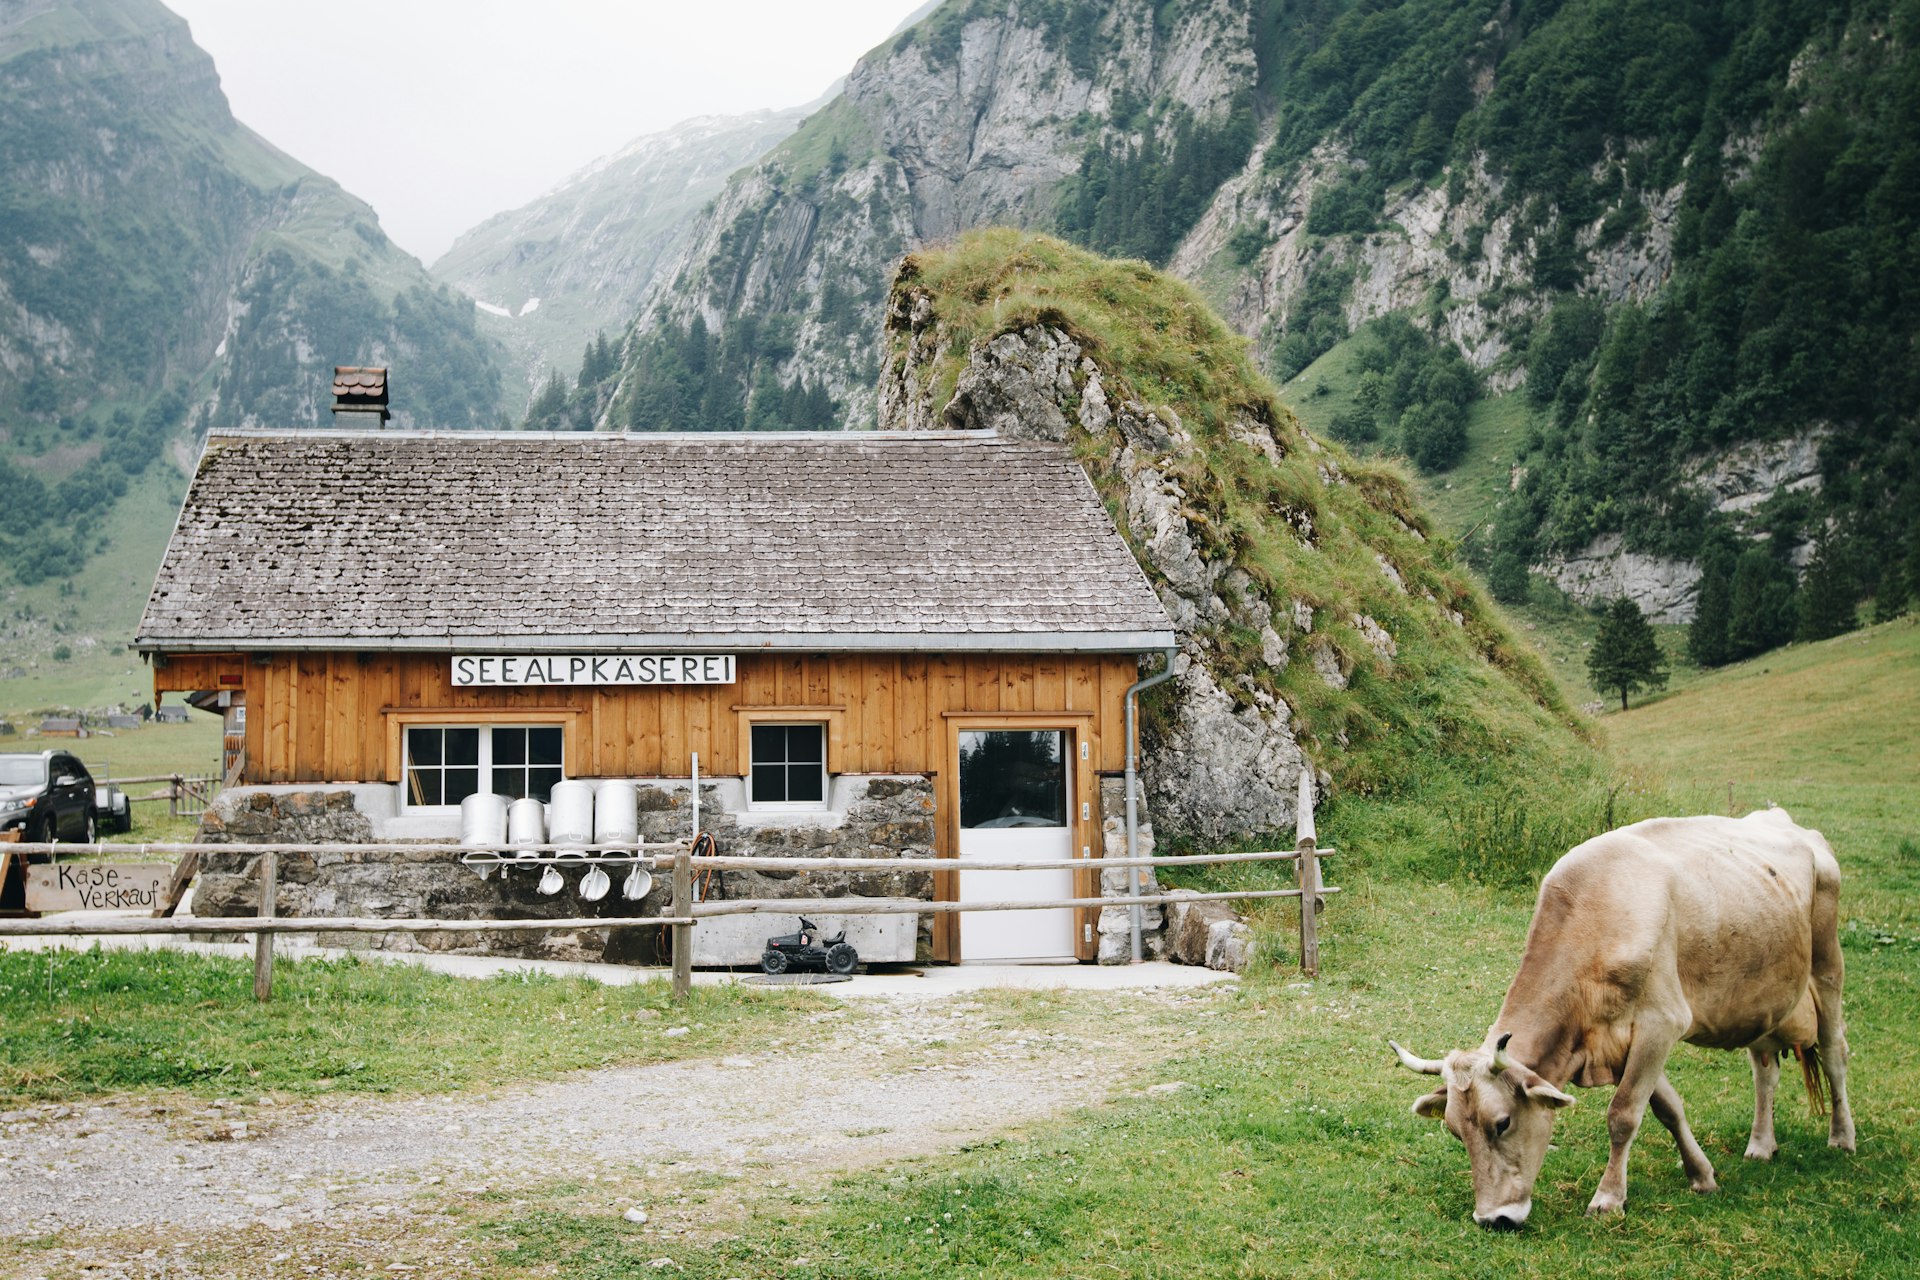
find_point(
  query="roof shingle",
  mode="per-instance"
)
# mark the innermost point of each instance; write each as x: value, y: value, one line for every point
x: 444, y: 539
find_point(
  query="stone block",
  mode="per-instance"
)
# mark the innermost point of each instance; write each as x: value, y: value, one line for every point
x: 1229, y: 946
x: 1190, y: 929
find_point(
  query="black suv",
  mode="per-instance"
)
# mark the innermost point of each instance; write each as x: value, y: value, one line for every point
x: 48, y: 795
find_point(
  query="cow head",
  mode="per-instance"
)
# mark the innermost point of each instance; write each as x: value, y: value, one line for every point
x: 1503, y: 1111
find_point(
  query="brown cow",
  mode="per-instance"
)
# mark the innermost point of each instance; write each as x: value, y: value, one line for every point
x: 1718, y: 931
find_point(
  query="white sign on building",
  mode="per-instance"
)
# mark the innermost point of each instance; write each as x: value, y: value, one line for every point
x: 590, y: 669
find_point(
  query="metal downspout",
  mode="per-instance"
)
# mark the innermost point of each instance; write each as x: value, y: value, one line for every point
x: 1133, y: 787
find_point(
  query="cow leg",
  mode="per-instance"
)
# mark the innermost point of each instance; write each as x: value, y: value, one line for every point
x: 1646, y: 1068
x: 1829, y: 976
x: 1672, y: 1113
x: 1766, y: 1078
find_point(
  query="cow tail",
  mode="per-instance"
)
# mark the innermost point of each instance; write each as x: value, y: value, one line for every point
x: 1809, y: 1055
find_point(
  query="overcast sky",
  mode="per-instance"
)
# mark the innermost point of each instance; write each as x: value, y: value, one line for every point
x: 441, y: 113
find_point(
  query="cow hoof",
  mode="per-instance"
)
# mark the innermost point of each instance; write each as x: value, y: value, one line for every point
x: 1757, y: 1152
x: 1706, y: 1188
x: 1844, y: 1141
x: 1600, y: 1208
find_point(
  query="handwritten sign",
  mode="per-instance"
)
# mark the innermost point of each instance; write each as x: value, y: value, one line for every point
x: 587, y: 668
x: 96, y: 886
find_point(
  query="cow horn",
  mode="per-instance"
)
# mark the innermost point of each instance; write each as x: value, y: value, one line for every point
x: 1500, y: 1059
x: 1425, y: 1066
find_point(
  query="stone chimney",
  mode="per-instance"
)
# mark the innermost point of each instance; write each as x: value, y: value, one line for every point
x: 360, y: 397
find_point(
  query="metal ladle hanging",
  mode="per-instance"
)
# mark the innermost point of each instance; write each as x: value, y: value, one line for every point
x: 639, y: 883
x: 594, y: 885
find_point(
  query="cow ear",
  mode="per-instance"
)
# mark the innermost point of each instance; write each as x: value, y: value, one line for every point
x: 1433, y: 1106
x: 1548, y: 1096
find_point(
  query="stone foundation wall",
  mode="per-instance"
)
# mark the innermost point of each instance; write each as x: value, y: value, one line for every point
x: 1196, y: 933
x: 885, y: 817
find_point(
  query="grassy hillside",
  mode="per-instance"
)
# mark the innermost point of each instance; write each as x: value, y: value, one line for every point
x: 1464, y: 500
x: 1457, y: 697
x: 92, y: 615
x: 1828, y: 731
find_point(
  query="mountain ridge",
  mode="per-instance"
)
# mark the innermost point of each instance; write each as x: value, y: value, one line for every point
x: 552, y: 275
x: 163, y: 268
x: 1539, y: 189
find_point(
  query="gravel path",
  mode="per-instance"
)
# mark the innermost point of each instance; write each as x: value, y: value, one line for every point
x: 897, y: 1078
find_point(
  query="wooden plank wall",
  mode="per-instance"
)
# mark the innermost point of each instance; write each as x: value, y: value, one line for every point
x: 321, y: 717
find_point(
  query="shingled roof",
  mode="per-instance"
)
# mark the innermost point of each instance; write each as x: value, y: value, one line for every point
x: 453, y: 540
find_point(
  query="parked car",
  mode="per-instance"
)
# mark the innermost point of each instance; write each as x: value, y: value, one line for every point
x: 112, y: 808
x: 47, y: 795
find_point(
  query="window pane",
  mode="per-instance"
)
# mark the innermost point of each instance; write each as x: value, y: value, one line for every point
x: 509, y: 746
x: 423, y: 745
x: 463, y: 746
x: 805, y: 783
x: 769, y: 743
x: 540, y: 783
x: 769, y: 782
x: 1013, y: 778
x: 805, y: 743
x: 511, y: 783
x: 460, y: 784
x: 423, y: 786
x: 543, y: 746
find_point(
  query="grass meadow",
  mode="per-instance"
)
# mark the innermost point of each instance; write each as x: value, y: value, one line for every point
x: 1282, y: 1143
x: 1288, y: 1148
x: 81, y: 1024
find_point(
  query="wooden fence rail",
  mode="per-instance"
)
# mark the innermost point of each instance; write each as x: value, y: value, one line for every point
x: 683, y: 912
x: 916, y: 906
x: 663, y: 856
x: 187, y: 795
x: 134, y: 926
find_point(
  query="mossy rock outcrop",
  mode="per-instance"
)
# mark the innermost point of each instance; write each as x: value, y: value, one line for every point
x: 1322, y: 621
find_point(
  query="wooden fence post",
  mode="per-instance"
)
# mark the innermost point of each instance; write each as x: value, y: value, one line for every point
x: 173, y: 796
x: 682, y: 934
x: 263, y: 942
x: 1309, y: 870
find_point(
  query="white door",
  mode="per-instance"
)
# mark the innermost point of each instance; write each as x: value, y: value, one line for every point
x: 1015, y: 789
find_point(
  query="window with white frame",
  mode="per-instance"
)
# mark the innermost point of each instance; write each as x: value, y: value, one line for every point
x: 447, y: 763
x: 788, y: 766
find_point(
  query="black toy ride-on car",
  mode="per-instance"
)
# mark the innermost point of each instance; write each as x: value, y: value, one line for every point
x: 808, y: 950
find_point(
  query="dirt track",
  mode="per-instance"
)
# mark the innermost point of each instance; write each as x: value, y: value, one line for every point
x: 139, y: 1191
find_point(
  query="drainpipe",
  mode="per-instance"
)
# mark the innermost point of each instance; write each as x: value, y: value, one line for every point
x: 1133, y: 788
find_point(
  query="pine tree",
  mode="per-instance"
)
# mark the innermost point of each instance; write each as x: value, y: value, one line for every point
x: 1897, y: 586
x: 1826, y: 605
x: 550, y: 403
x: 1707, y: 641
x: 1761, y: 612
x: 1625, y: 655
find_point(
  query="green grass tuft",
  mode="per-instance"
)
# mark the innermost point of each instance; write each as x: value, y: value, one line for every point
x: 75, y: 1024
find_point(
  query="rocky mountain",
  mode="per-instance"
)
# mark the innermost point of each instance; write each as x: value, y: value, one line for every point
x: 552, y: 276
x: 1664, y: 233
x: 1322, y: 622
x: 981, y: 113
x: 161, y: 265
x: 1675, y: 232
